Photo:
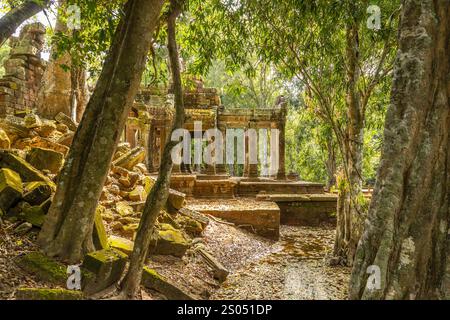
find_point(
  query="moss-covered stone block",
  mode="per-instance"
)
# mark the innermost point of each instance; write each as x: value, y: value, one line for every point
x: 107, y: 265
x: 99, y: 235
x: 121, y: 244
x: 153, y: 280
x: 191, y: 226
x: 45, y: 159
x: 43, y: 267
x: 37, y: 192
x: 5, y: 143
x: 176, y: 199
x: 48, y: 294
x: 10, y: 189
x: 124, y: 209
x: 170, y: 241
x: 148, y: 182
x: 27, y: 172
x: 137, y: 194
x: 129, y: 230
x: 34, y: 215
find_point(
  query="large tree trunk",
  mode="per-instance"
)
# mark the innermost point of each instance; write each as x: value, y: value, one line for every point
x: 67, y: 231
x: 160, y: 191
x: 331, y: 163
x: 14, y: 18
x: 406, y: 233
x: 349, y: 214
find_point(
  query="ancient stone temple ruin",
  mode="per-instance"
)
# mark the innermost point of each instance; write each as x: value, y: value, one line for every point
x: 23, y: 70
x: 258, y: 195
x: 277, y: 197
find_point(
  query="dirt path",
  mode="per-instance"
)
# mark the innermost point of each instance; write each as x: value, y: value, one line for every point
x: 294, y: 269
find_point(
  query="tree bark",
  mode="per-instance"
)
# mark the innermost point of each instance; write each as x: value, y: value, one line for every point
x: 349, y: 214
x: 331, y: 163
x: 80, y: 94
x: 15, y: 17
x: 160, y: 191
x: 67, y: 231
x: 406, y: 233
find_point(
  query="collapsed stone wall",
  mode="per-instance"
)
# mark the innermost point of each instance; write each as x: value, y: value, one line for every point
x: 23, y: 70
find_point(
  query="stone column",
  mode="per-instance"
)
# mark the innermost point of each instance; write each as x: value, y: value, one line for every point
x: 151, y: 147
x: 251, y: 168
x: 282, y: 144
x: 221, y: 168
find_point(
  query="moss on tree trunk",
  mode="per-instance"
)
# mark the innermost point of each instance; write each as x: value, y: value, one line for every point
x: 406, y: 233
x: 160, y: 191
x: 67, y: 231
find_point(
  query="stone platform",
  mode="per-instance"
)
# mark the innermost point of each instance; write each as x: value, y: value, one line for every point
x: 259, y: 204
x: 261, y: 217
x: 224, y: 187
x: 247, y: 188
x: 305, y: 209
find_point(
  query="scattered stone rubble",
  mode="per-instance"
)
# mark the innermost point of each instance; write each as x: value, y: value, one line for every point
x: 32, y: 152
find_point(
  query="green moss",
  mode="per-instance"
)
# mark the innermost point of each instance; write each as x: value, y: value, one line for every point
x: 34, y: 215
x: 107, y: 265
x: 172, y: 236
x: 37, y: 192
x: 124, y: 209
x: 153, y: 280
x: 10, y: 189
x: 121, y: 244
x: 26, y: 171
x: 100, y: 238
x: 148, y: 184
x: 94, y: 260
x: 45, y: 159
x: 151, y: 273
x: 10, y: 178
x: 170, y: 241
x: 169, y: 233
x: 43, y: 267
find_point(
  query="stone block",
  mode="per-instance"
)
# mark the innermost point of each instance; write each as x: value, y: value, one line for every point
x: 153, y: 280
x: 26, y: 171
x: 45, y: 159
x: 131, y: 158
x: 5, y: 142
x: 99, y: 234
x: 37, y: 193
x: 121, y: 244
x: 169, y: 241
x: 64, y: 119
x: 10, y: 188
x: 137, y: 194
x: 176, y: 199
x: 34, y: 215
x: 48, y: 144
x: 107, y: 265
x: 48, y: 294
x: 44, y: 268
